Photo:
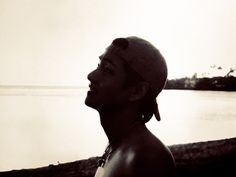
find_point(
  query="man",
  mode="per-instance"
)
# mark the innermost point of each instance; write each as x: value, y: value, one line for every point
x: 123, y: 89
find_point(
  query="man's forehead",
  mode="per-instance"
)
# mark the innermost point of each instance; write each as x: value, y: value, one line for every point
x: 111, y: 54
x: 107, y: 59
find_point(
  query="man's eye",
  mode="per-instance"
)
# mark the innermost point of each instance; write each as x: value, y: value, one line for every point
x: 104, y: 68
x: 107, y: 70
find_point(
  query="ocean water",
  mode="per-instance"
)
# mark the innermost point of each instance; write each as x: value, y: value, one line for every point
x: 41, y: 126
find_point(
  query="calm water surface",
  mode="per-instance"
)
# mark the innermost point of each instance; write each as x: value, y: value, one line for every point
x: 49, y: 126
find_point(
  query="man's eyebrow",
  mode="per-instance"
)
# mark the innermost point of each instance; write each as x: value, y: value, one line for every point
x: 106, y: 59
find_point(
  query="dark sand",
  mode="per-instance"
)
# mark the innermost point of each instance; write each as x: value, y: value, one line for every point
x: 201, y: 159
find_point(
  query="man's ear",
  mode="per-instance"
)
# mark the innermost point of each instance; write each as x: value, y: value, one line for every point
x: 139, y: 91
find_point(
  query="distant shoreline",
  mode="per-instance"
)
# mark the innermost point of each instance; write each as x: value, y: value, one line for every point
x: 194, y: 83
x: 186, y: 83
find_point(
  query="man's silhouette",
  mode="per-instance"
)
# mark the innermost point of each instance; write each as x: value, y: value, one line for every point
x: 123, y: 89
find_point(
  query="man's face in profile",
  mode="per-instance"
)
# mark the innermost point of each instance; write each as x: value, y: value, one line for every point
x: 107, y: 83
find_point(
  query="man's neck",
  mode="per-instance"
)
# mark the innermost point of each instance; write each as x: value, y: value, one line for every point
x: 117, y: 124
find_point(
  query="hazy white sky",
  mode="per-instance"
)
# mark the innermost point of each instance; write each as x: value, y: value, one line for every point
x: 57, y: 42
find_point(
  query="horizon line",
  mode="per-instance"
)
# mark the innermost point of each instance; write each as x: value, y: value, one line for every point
x: 43, y: 86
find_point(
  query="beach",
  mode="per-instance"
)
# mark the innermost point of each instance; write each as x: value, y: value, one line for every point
x: 42, y: 126
x: 200, y: 159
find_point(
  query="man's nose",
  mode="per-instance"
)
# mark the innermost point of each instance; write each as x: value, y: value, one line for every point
x: 92, y: 76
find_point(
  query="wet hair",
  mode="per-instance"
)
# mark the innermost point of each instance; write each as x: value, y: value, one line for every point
x: 132, y: 78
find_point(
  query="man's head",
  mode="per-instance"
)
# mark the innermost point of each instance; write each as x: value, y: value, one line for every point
x: 144, y: 63
x: 144, y: 68
x: 145, y: 59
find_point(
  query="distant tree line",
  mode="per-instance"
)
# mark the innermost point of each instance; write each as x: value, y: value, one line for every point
x: 215, y: 83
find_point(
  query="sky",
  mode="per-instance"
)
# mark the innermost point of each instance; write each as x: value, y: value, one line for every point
x: 57, y: 42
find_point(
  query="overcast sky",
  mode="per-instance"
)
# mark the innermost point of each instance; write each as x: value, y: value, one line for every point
x: 57, y: 42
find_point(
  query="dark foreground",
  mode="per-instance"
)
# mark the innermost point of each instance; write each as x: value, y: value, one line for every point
x: 202, y: 159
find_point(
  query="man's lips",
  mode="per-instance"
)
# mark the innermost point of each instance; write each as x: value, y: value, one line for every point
x: 92, y: 89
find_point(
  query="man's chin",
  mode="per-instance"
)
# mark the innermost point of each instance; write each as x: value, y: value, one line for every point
x: 89, y: 103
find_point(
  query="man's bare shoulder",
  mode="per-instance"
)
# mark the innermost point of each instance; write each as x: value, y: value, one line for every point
x: 148, y: 156
x: 141, y: 155
x: 153, y: 157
